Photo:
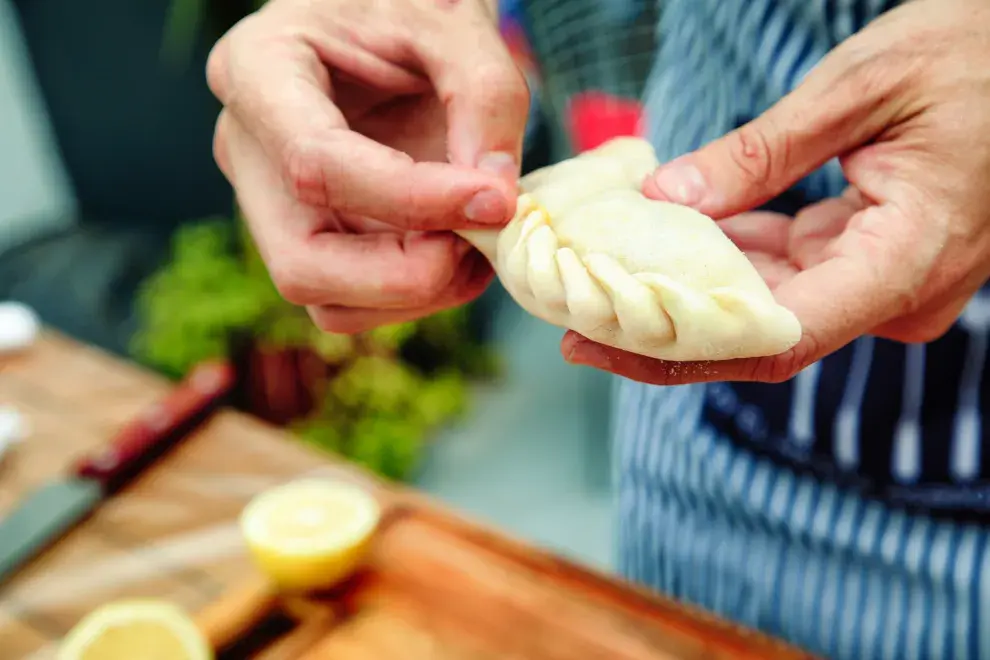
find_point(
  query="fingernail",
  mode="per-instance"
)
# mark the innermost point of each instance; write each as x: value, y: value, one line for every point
x: 487, y: 207
x: 681, y: 183
x: 500, y: 164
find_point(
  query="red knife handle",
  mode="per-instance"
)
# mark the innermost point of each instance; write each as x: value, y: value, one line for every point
x: 163, y: 423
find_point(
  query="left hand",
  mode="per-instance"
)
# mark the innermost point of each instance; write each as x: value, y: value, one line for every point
x: 905, y: 105
x: 356, y: 134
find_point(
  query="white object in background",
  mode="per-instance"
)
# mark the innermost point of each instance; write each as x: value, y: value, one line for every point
x: 19, y: 326
x: 13, y: 429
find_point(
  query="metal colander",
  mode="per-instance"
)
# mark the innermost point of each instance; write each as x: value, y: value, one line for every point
x: 582, y: 46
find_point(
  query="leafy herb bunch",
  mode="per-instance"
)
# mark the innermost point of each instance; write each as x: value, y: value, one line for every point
x: 382, y: 391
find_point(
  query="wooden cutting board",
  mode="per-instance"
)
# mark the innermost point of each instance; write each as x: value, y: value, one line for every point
x: 434, y: 589
x: 437, y: 586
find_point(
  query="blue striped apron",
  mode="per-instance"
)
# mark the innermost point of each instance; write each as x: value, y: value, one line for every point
x: 845, y: 510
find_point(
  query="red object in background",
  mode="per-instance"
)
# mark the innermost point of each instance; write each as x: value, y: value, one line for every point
x: 280, y: 385
x: 165, y: 422
x: 597, y: 117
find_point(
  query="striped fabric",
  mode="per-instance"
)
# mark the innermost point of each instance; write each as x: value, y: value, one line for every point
x: 844, y: 577
x: 902, y: 423
x: 843, y: 510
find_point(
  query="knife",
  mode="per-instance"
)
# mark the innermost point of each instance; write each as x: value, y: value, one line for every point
x: 52, y: 510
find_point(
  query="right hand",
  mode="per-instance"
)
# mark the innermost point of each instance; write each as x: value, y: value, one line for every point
x: 355, y: 134
x: 903, y: 251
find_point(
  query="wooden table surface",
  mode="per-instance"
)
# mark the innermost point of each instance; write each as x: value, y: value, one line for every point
x: 455, y: 589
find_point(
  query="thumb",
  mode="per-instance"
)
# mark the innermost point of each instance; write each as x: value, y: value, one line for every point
x: 484, y: 92
x: 841, y: 105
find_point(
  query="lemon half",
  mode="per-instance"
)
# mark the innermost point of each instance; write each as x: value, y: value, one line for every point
x: 309, y: 534
x: 135, y: 630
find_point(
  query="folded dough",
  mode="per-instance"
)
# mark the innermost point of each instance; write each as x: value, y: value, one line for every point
x: 587, y: 251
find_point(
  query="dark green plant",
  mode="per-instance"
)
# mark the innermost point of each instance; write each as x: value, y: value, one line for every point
x: 384, y: 397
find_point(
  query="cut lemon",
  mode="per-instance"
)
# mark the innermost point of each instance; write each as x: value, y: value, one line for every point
x: 309, y: 534
x: 135, y: 630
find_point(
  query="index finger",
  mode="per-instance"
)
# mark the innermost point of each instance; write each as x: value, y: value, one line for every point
x: 280, y: 91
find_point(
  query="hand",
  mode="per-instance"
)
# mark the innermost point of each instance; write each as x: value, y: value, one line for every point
x: 905, y: 104
x: 352, y: 132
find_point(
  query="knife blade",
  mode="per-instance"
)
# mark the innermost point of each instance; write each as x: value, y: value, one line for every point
x: 51, y: 511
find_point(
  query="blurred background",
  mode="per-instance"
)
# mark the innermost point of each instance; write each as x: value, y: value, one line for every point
x: 117, y: 228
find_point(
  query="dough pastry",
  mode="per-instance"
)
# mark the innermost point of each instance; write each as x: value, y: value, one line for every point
x: 587, y: 251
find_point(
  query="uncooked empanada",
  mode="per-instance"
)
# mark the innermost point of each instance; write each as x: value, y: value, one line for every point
x: 587, y: 251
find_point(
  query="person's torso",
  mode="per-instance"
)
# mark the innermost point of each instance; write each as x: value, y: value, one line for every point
x: 903, y: 423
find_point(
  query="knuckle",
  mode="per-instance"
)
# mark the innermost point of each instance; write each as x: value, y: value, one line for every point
x: 303, y: 170
x: 781, y: 368
x: 412, y: 213
x: 869, y: 84
x: 778, y: 369
x: 757, y: 156
x: 766, y: 369
x: 500, y: 87
x: 871, y: 76
x: 907, y: 301
x: 242, y: 37
x: 217, y: 68
x: 289, y: 281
